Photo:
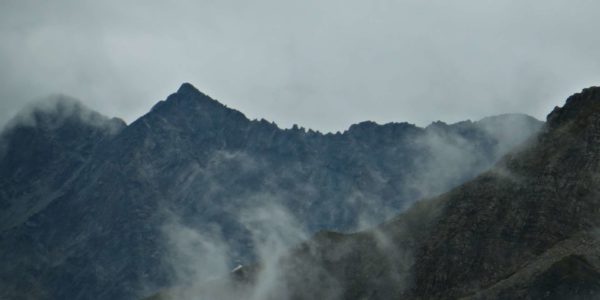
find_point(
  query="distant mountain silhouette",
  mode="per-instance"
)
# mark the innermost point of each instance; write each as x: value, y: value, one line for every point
x: 84, y: 199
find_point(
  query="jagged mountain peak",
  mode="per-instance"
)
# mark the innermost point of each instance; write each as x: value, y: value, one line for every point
x: 190, y: 105
x: 188, y: 92
x: 578, y: 108
x: 188, y: 88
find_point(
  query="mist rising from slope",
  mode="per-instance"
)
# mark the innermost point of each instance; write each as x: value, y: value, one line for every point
x: 203, y: 268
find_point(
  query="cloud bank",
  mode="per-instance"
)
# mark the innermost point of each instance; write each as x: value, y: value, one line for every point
x: 323, y: 65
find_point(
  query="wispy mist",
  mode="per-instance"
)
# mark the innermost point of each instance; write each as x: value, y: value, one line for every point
x: 202, y: 267
x: 53, y: 111
x: 262, y: 217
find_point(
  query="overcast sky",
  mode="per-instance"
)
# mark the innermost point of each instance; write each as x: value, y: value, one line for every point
x: 320, y: 64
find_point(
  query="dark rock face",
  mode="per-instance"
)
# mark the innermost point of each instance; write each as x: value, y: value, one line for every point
x: 573, y: 277
x: 533, y: 199
x: 84, y: 198
x: 526, y: 229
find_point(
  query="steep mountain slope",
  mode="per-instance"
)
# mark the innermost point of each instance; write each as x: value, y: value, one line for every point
x: 538, y: 197
x: 96, y: 208
x: 43, y: 149
x: 526, y: 229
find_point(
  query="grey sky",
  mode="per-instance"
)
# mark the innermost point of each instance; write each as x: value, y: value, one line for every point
x: 320, y: 64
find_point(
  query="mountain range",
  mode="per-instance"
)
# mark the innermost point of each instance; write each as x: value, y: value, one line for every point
x: 527, y: 228
x: 94, y: 208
